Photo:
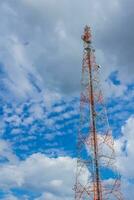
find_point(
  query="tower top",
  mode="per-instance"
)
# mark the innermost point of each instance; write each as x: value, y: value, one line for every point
x: 86, y: 37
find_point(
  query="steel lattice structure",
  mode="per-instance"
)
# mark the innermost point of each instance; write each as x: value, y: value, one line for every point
x: 97, y: 177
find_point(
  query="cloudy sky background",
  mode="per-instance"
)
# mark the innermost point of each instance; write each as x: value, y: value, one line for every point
x: 40, y: 72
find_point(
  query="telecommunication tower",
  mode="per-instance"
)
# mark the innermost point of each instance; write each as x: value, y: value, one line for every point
x: 96, y: 177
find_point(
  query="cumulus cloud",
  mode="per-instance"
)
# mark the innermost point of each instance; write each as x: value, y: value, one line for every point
x: 125, y: 157
x: 124, y: 147
x: 54, y: 176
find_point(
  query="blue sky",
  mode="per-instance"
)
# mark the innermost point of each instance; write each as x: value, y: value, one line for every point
x: 40, y: 71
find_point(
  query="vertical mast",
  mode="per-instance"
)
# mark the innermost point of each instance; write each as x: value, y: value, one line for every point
x: 96, y: 176
x: 87, y: 43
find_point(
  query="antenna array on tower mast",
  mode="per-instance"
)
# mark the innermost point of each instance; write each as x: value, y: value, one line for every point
x: 96, y: 177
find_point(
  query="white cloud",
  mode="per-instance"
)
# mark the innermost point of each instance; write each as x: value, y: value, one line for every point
x: 50, y: 98
x: 49, y: 196
x: 10, y: 197
x: 125, y: 159
x: 128, y: 189
x: 112, y: 90
x: 16, y: 67
x: 54, y: 176
x: 36, y: 111
x: 6, y: 152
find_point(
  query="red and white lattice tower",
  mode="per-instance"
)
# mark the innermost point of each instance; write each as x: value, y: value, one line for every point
x: 97, y: 177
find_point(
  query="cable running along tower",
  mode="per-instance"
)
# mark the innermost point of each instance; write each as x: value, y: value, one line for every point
x: 97, y: 177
